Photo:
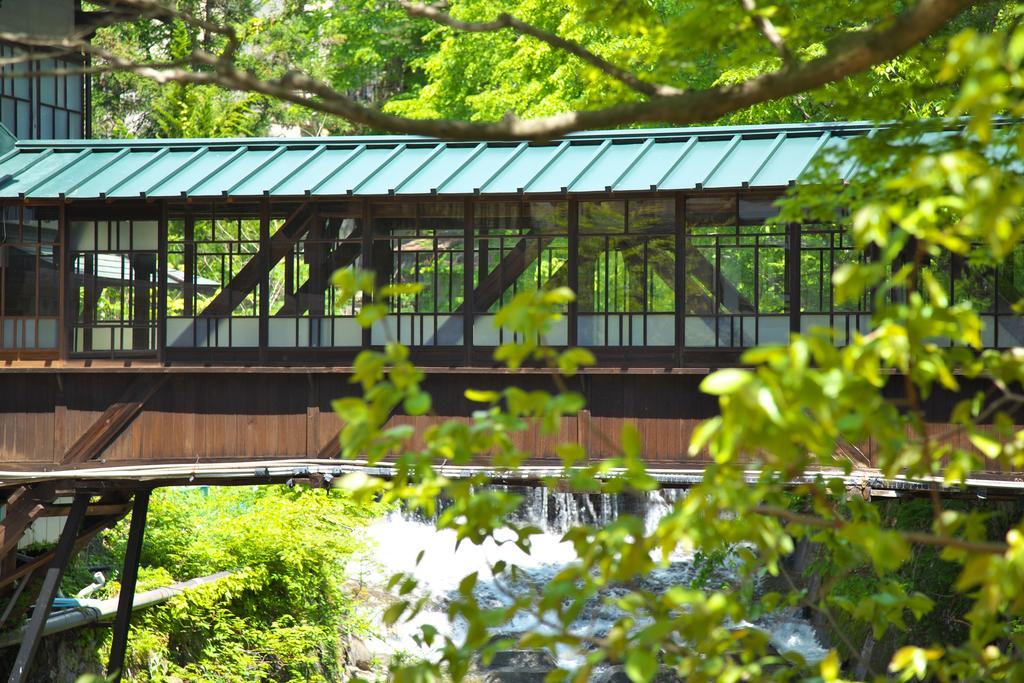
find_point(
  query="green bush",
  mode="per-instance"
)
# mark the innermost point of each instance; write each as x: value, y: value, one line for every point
x: 280, y: 613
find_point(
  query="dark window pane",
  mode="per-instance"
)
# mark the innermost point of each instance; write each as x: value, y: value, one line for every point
x: 652, y: 215
x: 492, y: 217
x: 442, y: 218
x: 75, y: 92
x: 7, y: 113
x: 547, y: 217
x: 46, y: 125
x: 19, y: 279
x: 753, y: 211
x: 711, y: 210
x: 23, y: 116
x: 61, y: 129
x: 47, y: 84
x: 393, y: 217
x: 22, y: 85
x: 603, y: 217
x: 1010, y: 281
x: 49, y: 280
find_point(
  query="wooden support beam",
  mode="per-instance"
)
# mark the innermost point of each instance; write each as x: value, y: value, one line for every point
x: 13, y: 600
x: 51, y: 582
x: 129, y: 579
x: 114, y: 419
x: 42, y: 560
x: 511, y: 266
x: 331, y: 449
x: 278, y: 246
x: 28, y: 503
x: 96, y: 510
x: 493, y: 284
x: 24, y: 506
x: 342, y: 256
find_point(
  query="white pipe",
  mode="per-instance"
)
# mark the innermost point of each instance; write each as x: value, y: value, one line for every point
x: 88, y: 611
x: 287, y: 468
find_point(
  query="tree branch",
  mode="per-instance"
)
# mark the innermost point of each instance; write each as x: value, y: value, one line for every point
x: 768, y: 30
x: 915, y: 537
x: 851, y: 53
x: 503, y: 21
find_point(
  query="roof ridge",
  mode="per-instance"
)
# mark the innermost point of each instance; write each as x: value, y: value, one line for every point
x: 627, y: 133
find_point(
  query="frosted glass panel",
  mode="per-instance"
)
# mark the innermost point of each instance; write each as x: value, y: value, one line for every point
x: 213, y: 333
x: 47, y: 333
x: 346, y: 333
x: 144, y: 236
x: 1011, y: 331
x: 415, y: 329
x: 484, y: 331
x: 288, y: 332
x: 331, y: 332
x: 988, y: 331
x: 699, y: 331
x: 773, y: 331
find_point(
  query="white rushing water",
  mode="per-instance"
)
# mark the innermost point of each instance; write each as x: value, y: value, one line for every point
x: 399, y: 540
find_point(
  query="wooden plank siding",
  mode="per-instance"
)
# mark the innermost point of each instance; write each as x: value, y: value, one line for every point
x: 268, y: 413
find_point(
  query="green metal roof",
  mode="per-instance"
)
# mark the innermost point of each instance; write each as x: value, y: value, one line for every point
x: 660, y: 159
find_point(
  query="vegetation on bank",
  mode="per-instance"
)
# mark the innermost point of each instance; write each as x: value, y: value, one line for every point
x: 279, y: 616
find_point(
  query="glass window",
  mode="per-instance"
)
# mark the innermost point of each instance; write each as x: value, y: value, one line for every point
x: 47, y: 127
x: 47, y: 84
x: 75, y: 92
x: 756, y: 211
x: 518, y: 247
x: 7, y: 113
x: 626, y: 273
x: 603, y: 217
x: 61, y: 128
x: 652, y: 216
x: 547, y: 217
x: 22, y: 85
x: 711, y: 210
x: 23, y: 129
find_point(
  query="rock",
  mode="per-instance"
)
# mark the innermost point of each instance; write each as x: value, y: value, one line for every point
x: 522, y: 659
x: 358, y: 654
x: 518, y: 666
x: 615, y: 674
x: 511, y: 676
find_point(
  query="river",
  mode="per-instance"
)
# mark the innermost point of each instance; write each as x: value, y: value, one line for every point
x: 400, y: 538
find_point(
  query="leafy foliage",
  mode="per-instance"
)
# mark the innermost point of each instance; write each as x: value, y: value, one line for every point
x: 280, y: 613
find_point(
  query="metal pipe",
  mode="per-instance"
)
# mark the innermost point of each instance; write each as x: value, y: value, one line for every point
x: 89, y: 611
x: 291, y: 468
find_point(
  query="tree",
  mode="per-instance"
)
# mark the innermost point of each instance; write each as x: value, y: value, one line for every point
x: 928, y: 194
x: 808, y: 49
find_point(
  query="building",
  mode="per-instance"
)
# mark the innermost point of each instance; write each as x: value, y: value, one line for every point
x: 167, y: 314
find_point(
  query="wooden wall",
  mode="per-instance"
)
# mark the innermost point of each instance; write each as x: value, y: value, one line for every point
x: 266, y: 414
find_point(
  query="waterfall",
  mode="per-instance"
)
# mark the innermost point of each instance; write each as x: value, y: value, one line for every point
x: 399, y: 538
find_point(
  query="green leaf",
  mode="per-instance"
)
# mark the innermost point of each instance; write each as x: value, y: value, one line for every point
x: 641, y: 666
x: 478, y: 396
x: 631, y: 441
x: 829, y: 667
x: 986, y: 444
x: 725, y: 381
x: 417, y: 404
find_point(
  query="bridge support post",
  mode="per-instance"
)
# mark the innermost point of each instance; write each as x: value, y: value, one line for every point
x: 51, y: 582
x: 129, y: 579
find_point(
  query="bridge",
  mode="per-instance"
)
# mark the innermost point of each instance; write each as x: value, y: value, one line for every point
x: 166, y: 313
